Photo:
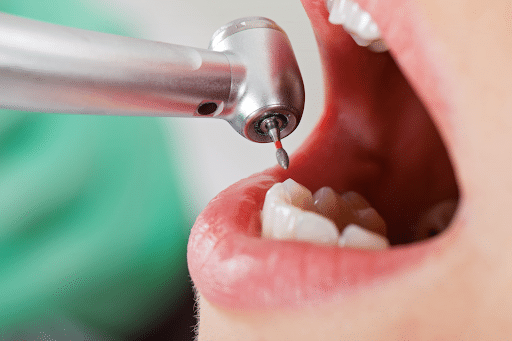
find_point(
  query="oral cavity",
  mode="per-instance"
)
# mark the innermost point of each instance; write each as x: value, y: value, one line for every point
x: 357, y: 22
x: 435, y: 220
x: 292, y: 212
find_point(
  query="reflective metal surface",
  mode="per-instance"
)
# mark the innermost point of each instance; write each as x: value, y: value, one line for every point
x: 51, y: 68
x: 272, y: 84
x: 249, y: 74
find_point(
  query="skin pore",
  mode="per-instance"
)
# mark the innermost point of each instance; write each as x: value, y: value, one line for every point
x: 461, y: 292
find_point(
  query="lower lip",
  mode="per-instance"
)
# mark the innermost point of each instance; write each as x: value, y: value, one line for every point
x: 232, y: 266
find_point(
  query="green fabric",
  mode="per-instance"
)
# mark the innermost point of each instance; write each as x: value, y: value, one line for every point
x: 91, y: 224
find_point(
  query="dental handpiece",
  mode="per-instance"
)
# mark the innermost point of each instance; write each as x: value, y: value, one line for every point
x: 248, y: 76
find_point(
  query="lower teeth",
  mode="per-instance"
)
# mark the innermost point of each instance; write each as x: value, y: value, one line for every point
x: 291, y: 212
x: 435, y: 220
x: 355, y: 236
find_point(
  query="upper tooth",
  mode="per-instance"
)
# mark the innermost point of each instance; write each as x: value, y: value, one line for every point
x: 357, y: 22
x: 357, y: 237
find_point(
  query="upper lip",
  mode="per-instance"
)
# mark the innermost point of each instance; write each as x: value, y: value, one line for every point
x: 228, y: 261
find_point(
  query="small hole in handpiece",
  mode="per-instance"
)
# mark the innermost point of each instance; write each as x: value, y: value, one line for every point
x: 207, y: 108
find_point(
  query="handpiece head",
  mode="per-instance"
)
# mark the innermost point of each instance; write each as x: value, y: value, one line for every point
x: 266, y: 81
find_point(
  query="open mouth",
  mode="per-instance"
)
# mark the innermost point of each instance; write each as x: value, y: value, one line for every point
x: 377, y: 138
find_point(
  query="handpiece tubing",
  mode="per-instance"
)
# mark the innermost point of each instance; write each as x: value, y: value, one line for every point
x: 51, y: 68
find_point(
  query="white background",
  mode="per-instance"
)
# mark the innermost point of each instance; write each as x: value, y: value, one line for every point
x: 214, y: 155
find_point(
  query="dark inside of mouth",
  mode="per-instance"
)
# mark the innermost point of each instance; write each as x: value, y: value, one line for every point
x: 378, y: 139
x: 419, y: 192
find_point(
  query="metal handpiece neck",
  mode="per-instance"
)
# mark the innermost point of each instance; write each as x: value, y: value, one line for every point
x: 51, y: 68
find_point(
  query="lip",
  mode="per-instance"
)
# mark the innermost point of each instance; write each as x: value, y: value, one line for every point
x: 232, y: 266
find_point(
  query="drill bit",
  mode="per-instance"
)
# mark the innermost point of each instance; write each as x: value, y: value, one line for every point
x: 282, y: 158
x: 274, y: 133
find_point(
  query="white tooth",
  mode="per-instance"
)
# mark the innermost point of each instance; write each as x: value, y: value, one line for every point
x: 357, y: 237
x: 281, y: 219
x: 300, y: 196
x: 360, y: 41
x: 340, y: 11
x: 289, y: 212
x: 314, y: 228
x: 357, y: 22
x: 276, y: 200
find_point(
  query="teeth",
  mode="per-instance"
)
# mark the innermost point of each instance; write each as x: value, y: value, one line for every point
x: 331, y: 205
x: 355, y: 200
x: 285, y: 215
x: 357, y: 237
x: 300, y: 196
x: 290, y: 211
x: 357, y: 22
x: 435, y: 220
x: 314, y: 228
x: 370, y: 219
x: 349, y: 208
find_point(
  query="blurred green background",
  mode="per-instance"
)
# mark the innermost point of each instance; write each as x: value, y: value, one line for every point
x: 95, y: 211
x: 93, y: 231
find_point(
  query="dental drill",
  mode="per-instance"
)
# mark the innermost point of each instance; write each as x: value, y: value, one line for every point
x: 248, y: 76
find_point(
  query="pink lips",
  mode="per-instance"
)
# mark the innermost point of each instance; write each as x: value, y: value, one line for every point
x: 233, y: 267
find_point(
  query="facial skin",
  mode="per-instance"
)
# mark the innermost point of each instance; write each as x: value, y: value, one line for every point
x: 462, y: 292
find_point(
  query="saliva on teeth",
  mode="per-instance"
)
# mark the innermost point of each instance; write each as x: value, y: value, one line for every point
x: 292, y: 212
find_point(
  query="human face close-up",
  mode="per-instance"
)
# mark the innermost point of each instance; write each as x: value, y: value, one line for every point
x: 423, y: 134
